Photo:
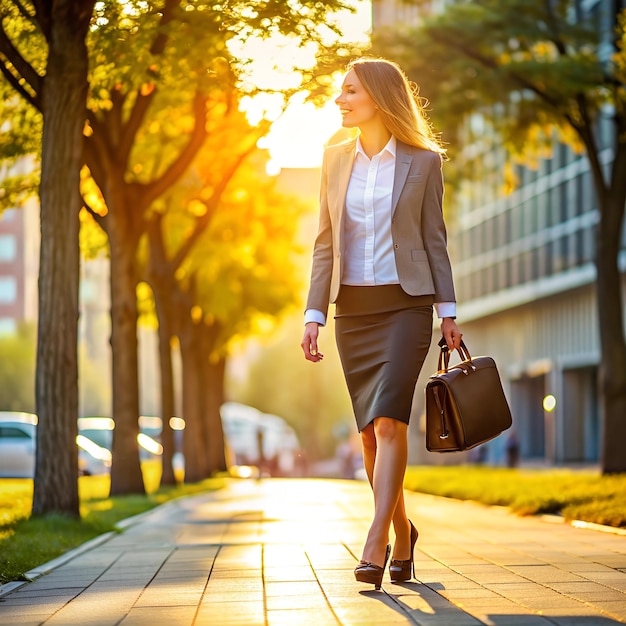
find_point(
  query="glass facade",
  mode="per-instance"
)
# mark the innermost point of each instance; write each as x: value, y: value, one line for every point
x: 544, y: 226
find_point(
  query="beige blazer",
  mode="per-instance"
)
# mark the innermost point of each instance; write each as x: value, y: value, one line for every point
x: 417, y: 226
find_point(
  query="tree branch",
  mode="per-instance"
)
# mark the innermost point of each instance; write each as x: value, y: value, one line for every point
x: 114, y: 120
x: 618, y: 180
x: 157, y: 247
x: 43, y: 9
x: 553, y: 24
x: 130, y: 128
x: 492, y: 64
x: 203, y: 221
x: 93, y: 154
x: 23, y: 10
x: 167, y: 15
x: 585, y: 132
x: 14, y: 82
x: 157, y: 187
x: 24, y: 69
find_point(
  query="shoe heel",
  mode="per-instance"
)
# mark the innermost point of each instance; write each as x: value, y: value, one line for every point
x: 371, y: 573
x: 404, y: 570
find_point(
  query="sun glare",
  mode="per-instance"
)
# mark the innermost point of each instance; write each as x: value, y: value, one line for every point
x: 297, y: 135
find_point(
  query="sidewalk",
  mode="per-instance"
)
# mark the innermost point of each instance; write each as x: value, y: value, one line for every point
x: 281, y: 552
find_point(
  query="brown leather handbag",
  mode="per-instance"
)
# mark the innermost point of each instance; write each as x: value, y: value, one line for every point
x: 465, y: 403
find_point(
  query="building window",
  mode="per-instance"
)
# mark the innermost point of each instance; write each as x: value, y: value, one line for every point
x: 8, y: 290
x: 8, y: 248
x: 8, y: 326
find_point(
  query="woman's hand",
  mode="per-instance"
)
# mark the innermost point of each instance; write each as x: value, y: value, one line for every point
x: 451, y: 333
x: 309, y: 342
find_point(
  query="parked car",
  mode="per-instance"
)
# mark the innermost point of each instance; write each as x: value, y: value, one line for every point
x: 100, y: 430
x: 261, y: 440
x: 18, y: 440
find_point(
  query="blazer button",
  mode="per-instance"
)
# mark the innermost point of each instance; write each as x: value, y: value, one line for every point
x: 396, y: 246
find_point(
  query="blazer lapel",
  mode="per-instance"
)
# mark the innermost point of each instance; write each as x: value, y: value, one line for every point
x: 340, y: 178
x: 404, y: 158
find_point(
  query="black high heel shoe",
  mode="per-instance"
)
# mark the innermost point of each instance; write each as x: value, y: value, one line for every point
x: 369, y: 573
x: 401, y: 570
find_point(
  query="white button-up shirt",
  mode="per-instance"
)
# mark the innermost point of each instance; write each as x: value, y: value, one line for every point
x: 368, y: 256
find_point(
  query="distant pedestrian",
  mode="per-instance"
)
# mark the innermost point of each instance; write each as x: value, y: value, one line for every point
x: 512, y: 449
x: 380, y: 255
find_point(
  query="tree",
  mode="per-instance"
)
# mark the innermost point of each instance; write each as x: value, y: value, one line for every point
x: 148, y: 60
x: 117, y: 114
x: 57, y: 88
x: 241, y: 270
x: 175, y: 226
x: 170, y: 58
x: 546, y: 64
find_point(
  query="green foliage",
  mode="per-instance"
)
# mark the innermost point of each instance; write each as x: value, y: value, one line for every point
x: 17, y: 370
x: 244, y: 262
x: 161, y: 53
x: 580, y: 495
x: 21, y: 123
x: 150, y: 68
x: 251, y: 269
x: 144, y: 54
x: 26, y: 542
x: 20, y: 27
x: 93, y: 240
x: 526, y: 65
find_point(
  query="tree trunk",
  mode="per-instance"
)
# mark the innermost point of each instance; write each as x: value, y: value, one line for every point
x: 163, y: 306
x: 56, y: 385
x: 126, y: 474
x: 611, y: 197
x: 612, y: 370
x: 194, y: 449
x: 213, y: 366
x: 214, y: 392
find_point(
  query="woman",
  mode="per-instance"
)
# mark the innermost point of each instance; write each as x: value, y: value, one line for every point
x: 380, y: 255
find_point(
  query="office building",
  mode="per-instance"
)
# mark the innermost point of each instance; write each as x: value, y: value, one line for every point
x: 525, y: 279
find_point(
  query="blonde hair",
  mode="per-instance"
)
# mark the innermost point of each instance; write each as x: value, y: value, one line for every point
x: 400, y: 107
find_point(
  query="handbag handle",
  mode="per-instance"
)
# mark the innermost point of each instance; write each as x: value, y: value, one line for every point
x: 444, y: 355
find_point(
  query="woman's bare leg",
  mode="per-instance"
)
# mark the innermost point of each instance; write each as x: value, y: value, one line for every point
x: 368, y: 443
x: 402, y: 530
x: 385, y: 456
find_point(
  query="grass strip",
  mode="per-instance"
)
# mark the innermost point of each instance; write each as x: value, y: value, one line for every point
x: 574, y: 494
x: 27, y: 542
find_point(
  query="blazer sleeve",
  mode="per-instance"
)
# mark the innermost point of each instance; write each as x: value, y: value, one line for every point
x: 435, y: 236
x: 322, y: 266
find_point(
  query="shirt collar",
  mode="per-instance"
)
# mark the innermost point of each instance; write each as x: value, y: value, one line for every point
x: 390, y: 147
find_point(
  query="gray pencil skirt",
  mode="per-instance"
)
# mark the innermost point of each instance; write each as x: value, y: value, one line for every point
x: 383, y: 336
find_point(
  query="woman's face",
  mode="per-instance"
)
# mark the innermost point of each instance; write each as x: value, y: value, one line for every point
x: 355, y: 104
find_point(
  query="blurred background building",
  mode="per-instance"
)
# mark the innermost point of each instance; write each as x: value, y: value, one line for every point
x: 19, y: 262
x: 525, y: 279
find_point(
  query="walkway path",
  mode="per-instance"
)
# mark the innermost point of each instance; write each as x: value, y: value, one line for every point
x: 281, y: 552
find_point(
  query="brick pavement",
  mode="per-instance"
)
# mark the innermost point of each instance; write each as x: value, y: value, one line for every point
x: 281, y: 552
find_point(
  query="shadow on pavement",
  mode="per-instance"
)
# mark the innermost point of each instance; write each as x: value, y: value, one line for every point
x: 436, y: 609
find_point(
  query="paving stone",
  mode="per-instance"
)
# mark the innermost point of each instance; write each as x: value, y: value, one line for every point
x: 17, y: 616
x: 275, y: 552
x: 616, y: 609
x: 149, y: 616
